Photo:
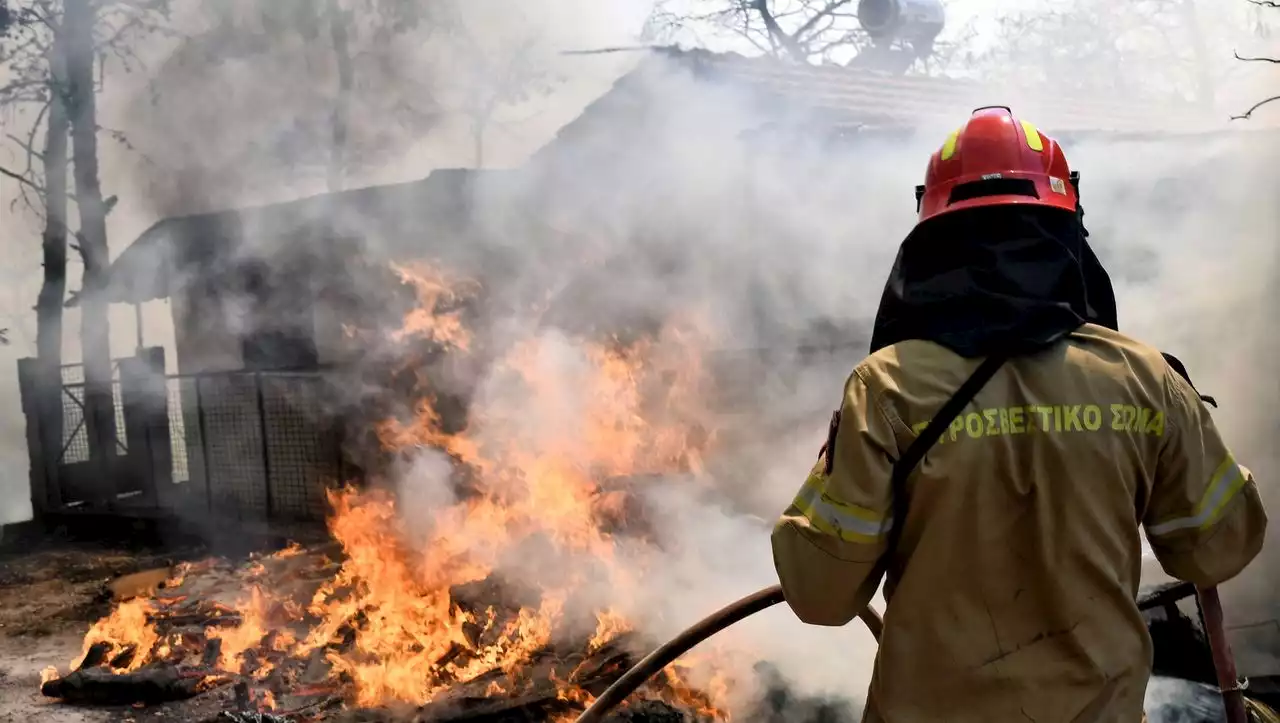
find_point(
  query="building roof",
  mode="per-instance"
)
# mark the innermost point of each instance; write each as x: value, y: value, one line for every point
x: 859, y: 98
x: 147, y: 269
x: 864, y: 96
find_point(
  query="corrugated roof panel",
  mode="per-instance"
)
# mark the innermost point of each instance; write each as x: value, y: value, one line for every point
x: 861, y: 97
x: 913, y: 100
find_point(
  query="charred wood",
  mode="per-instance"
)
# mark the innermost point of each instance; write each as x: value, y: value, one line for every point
x: 99, y: 686
x: 124, y: 658
x: 531, y: 707
x: 227, y: 716
x: 496, y: 592
x: 197, y: 619
x: 212, y: 651
x: 649, y: 711
x: 97, y: 655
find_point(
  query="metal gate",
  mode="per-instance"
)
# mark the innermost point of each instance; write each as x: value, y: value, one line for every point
x: 246, y: 445
x: 64, y: 476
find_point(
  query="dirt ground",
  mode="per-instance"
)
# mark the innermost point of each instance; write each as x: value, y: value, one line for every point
x: 21, y: 660
x: 48, y: 600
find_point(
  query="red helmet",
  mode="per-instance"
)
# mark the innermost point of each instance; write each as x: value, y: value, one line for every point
x: 996, y: 160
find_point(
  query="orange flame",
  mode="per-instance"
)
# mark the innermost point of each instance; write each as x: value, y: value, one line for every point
x: 434, y: 290
x: 249, y: 634
x: 127, y: 626
x: 542, y: 477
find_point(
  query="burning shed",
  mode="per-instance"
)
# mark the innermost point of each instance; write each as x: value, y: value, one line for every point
x: 250, y: 288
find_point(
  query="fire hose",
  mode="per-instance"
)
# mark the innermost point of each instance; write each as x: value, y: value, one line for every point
x: 1206, y: 598
x: 684, y: 642
x: 1224, y: 664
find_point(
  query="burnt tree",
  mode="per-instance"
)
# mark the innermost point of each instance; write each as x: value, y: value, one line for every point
x: 53, y: 250
x: 34, y: 48
x: 99, y: 407
x: 33, y: 54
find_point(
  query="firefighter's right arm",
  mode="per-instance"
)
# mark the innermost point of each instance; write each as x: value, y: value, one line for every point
x: 1204, y: 519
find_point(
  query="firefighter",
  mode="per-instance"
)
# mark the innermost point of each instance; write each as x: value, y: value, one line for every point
x: 1011, y: 554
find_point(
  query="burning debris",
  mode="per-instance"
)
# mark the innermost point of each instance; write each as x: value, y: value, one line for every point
x: 373, y: 635
x: 492, y: 584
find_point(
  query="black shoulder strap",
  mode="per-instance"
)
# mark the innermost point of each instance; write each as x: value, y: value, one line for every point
x: 1181, y: 369
x: 942, y: 420
x: 930, y: 435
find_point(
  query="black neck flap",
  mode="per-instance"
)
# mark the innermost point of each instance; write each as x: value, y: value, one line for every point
x: 1003, y: 279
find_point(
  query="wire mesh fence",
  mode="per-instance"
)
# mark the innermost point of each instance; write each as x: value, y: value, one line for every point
x: 258, y: 445
x: 180, y: 460
x: 248, y: 445
x: 75, y: 433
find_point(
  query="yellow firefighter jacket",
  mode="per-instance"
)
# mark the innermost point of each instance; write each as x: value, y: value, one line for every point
x: 1010, y: 596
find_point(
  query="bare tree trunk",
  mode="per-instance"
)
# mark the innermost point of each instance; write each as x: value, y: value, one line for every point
x: 54, y: 246
x: 342, y: 103
x: 79, y: 19
x: 777, y: 34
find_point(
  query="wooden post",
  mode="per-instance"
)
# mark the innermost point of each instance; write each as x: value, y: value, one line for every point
x: 40, y: 387
x: 159, y: 434
x: 137, y: 327
x: 144, y: 392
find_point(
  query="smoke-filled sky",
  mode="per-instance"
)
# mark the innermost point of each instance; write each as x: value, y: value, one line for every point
x: 212, y: 129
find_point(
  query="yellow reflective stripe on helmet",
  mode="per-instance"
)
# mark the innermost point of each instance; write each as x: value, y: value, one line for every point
x: 1033, y: 136
x: 850, y: 523
x: 949, y: 147
x: 1228, y: 479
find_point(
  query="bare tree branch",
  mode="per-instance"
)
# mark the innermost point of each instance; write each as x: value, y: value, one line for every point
x: 26, y: 182
x: 776, y: 32
x: 1260, y: 59
x: 34, y: 205
x: 17, y: 86
x: 1249, y: 113
x: 31, y: 152
x: 823, y: 14
x: 45, y: 19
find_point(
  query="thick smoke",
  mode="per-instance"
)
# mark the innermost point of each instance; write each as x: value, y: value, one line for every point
x: 778, y: 236
x: 765, y: 238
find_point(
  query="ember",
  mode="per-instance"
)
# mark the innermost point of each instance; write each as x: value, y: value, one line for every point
x: 476, y: 608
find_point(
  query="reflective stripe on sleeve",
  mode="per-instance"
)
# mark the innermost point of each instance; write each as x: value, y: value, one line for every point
x: 850, y: 523
x: 1227, y: 480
